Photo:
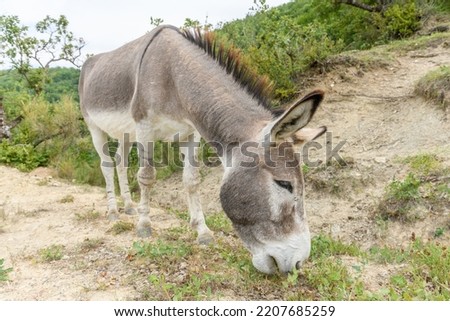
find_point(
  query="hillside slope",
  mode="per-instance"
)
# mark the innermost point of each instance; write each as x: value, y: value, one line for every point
x: 374, y: 110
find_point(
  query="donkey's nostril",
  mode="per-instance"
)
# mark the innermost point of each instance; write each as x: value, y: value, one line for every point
x: 273, y: 261
x: 298, y: 265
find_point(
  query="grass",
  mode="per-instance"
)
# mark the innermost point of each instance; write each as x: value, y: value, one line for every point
x: 178, y: 269
x: 51, y: 253
x: 385, y: 55
x: 67, y: 199
x: 88, y: 216
x: 91, y: 244
x: 160, y: 250
x: 194, y: 287
x: 416, y: 43
x: 219, y: 222
x: 440, y: 231
x: 424, y: 164
x: 435, y: 86
x: 4, y: 271
x: 337, y: 179
x: 424, y: 275
x: 400, y: 198
x: 121, y: 227
x: 325, y: 246
x: 423, y: 191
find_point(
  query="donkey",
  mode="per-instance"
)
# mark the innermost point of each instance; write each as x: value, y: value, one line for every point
x: 173, y: 82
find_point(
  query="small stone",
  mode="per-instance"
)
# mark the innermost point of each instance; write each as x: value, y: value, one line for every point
x: 335, y: 230
x: 380, y: 160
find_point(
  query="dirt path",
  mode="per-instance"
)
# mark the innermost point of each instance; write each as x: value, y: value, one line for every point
x: 376, y: 113
x: 382, y: 121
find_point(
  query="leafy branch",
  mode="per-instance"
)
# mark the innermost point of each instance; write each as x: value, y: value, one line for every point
x: 54, y: 43
x: 378, y: 6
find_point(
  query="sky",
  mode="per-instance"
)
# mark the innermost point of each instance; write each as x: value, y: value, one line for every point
x: 108, y: 24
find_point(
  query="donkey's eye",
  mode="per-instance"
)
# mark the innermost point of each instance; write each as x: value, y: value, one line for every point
x: 285, y: 184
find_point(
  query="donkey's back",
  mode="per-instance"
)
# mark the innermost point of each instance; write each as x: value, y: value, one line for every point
x: 107, y: 80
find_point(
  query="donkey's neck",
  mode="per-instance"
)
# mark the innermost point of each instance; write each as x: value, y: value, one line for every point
x: 220, y: 109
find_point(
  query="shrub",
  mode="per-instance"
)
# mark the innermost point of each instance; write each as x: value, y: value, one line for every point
x: 43, y: 121
x: 284, y: 41
x: 22, y: 156
x: 277, y: 45
x: 46, y: 133
x: 401, y: 20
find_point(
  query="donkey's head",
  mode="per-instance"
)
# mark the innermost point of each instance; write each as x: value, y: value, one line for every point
x: 263, y: 190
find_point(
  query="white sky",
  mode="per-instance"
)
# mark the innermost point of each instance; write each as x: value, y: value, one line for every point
x: 108, y: 24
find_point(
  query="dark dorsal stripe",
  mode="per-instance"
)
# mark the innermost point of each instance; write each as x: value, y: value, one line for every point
x: 259, y: 87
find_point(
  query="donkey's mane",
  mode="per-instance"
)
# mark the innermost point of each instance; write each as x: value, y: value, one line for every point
x: 259, y: 87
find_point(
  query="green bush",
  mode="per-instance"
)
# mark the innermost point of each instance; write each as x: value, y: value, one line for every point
x: 79, y: 162
x: 277, y: 45
x: 13, y: 102
x: 401, y: 20
x: 284, y: 41
x: 22, y: 156
x: 53, y: 134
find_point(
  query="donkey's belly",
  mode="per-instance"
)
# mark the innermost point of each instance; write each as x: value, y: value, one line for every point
x: 115, y: 124
x: 120, y: 124
x: 170, y: 130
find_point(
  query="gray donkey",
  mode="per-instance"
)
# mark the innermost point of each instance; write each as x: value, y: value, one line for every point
x: 172, y: 83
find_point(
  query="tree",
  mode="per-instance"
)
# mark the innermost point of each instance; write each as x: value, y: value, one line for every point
x: 54, y: 43
x: 397, y: 19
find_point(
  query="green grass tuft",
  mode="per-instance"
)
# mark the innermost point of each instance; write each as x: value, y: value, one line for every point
x: 51, y: 253
x: 3, y: 271
x: 325, y: 246
x: 424, y: 190
x: 435, y: 86
x: 160, y: 250
x: 121, y: 227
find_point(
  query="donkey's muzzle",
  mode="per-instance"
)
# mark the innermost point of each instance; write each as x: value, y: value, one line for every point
x: 284, y: 256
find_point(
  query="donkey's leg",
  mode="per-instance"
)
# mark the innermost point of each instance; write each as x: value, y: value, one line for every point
x: 146, y: 177
x: 123, y: 151
x: 191, y: 181
x: 100, y: 140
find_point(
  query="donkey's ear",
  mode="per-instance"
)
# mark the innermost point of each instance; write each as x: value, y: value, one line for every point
x: 305, y: 135
x: 296, y: 117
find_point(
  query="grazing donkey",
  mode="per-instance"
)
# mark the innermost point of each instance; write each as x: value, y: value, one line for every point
x: 172, y: 83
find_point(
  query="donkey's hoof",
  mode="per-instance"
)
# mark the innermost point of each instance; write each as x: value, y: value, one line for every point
x: 130, y: 211
x: 205, y: 238
x: 113, y: 215
x: 144, y: 229
x: 144, y: 232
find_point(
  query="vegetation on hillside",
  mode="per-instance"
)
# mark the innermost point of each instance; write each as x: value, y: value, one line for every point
x: 335, y: 270
x: 423, y: 192
x: 285, y: 41
x: 281, y: 42
x: 435, y: 85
